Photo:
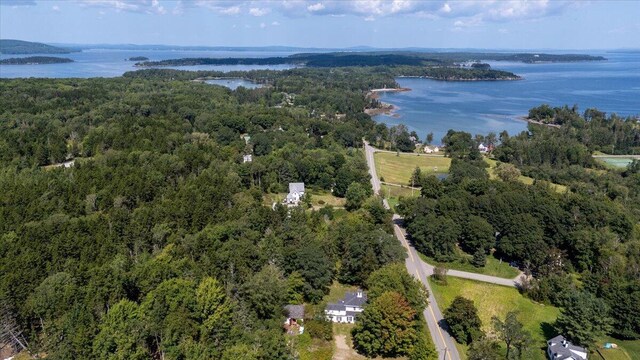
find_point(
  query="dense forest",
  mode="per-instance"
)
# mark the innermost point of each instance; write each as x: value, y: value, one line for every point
x: 396, y: 64
x: 35, y: 60
x: 158, y: 242
x: 581, y: 246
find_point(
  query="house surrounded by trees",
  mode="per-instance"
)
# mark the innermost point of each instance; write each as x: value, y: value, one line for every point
x: 346, y: 310
x: 560, y: 348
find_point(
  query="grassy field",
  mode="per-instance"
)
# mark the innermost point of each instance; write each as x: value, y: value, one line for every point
x: 523, y: 179
x: 312, y: 349
x: 494, y: 300
x: 627, y: 349
x: 398, y: 169
x: 319, y: 198
x: 493, y: 267
x: 393, y: 193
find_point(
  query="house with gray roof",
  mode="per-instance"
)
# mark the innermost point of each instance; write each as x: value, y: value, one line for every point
x: 560, y: 348
x: 346, y: 310
x: 296, y: 192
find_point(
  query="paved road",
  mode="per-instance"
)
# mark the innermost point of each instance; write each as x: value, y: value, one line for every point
x: 437, y: 327
x: 420, y: 269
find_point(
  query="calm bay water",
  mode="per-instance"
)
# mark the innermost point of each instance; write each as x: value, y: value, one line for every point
x: 112, y: 63
x: 480, y: 107
x: 432, y: 106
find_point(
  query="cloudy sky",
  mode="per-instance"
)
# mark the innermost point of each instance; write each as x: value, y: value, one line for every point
x: 501, y: 24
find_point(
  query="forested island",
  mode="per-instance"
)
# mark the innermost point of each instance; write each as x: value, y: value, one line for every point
x: 138, y: 58
x: 398, y: 64
x: 35, y: 60
x: 163, y: 242
x: 17, y: 47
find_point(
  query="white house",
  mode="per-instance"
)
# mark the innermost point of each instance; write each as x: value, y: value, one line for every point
x: 247, y: 158
x: 560, y: 348
x: 431, y: 149
x: 482, y: 148
x: 296, y: 192
x: 346, y: 310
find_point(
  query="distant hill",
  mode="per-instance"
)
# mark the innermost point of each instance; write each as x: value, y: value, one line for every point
x: 8, y: 46
x: 35, y: 60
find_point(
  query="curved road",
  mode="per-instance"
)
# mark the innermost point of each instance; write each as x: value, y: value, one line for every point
x: 444, y: 343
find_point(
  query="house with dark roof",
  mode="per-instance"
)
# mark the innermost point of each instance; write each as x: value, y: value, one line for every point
x: 346, y: 310
x: 560, y: 348
x: 295, y: 319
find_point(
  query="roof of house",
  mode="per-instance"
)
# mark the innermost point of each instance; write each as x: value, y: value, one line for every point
x: 296, y: 187
x: 295, y: 311
x: 350, y: 299
x: 562, y: 349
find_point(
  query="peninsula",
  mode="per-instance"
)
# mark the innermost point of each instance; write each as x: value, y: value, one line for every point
x: 35, y: 60
x: 19, y: 47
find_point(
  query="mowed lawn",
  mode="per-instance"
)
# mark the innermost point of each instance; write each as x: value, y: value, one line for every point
x: 495, y: 300
x: 523, y: 179
x: 397, y: 169
x: 494, y: 267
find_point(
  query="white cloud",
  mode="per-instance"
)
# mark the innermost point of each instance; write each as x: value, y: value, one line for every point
x: 370, y: 18
x: 445, y: 8
x: 275, y: 23
x: 263, y: 25
x: 233, y: 10
x: 55, y: 8
x: 315, y: 7
x: 259, y: 11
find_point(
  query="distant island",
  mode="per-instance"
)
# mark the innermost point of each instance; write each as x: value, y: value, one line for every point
x: 35, y: 60
x: 138, y: 58
x: 19, y: 47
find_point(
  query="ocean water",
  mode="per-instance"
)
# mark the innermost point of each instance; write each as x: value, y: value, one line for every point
x: 112, y: 63
x: 480, y: 107
x: 432, y: 106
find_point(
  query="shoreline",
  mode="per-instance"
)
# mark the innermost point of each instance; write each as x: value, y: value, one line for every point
x: 459, y: 79
x: 531, y: 121
x: 385, y: 108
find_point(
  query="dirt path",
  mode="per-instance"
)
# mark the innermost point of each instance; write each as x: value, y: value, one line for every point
x: 343, y: 351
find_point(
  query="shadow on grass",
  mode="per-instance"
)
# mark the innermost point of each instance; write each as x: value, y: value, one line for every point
x: 548, y: 330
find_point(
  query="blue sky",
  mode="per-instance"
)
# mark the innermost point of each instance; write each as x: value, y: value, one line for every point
x: 501, y: 24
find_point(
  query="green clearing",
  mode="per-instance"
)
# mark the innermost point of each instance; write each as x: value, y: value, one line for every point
x: 312, y: 349
x: 627, y: 349
x: 493, y: 267
x: 397, y: 169
x: 495, y: 300
x: 319, y: 198
x: 523, y: 179
x: 393, y: 193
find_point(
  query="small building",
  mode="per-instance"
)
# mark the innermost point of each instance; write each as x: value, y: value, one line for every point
x: 560, y: 348
x: 246, y: 138
x: 247, y: 158
x: 296, y: 192
x: 295, y: 319
x: 431, y: 149
x: 483, y: 148
x: 346, y: 310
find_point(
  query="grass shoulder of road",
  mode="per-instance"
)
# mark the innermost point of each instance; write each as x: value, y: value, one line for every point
x: 398, y: 168
x: 493, y: 267
x: 495, y: 300
x: 523, y: 179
